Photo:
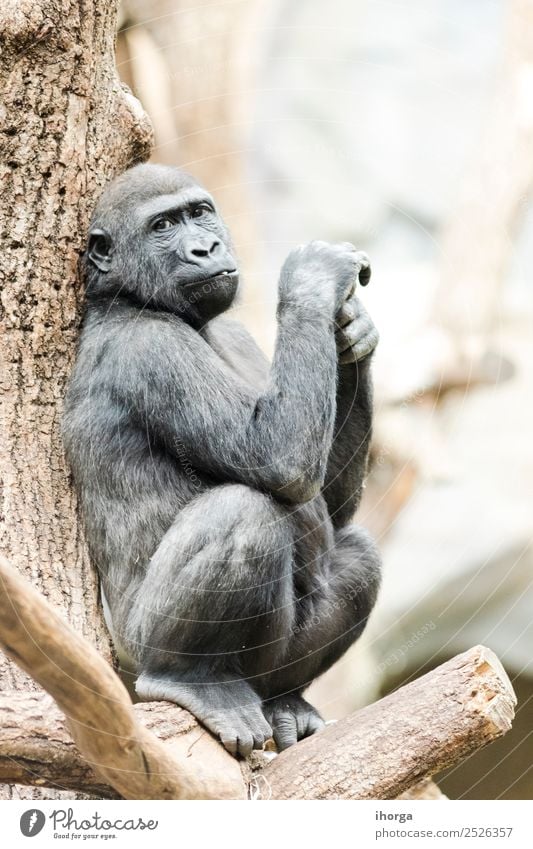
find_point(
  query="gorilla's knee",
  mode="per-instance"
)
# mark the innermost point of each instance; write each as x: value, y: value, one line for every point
x: 359, y: 565
x: 249, y: 529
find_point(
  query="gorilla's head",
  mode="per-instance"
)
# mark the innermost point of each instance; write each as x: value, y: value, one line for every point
x: 156, y: 238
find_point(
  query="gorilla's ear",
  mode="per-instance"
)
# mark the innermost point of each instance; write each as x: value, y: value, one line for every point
x: 100, y: 249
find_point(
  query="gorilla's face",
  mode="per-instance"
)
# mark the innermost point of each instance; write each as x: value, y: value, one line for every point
x: 164, y: 244
x: 189, y: 245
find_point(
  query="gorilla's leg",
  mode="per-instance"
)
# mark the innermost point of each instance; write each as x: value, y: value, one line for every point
x: 330, y: 615
x: 219, y: 592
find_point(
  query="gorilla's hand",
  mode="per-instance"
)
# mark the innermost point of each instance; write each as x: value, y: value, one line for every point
x: 323, y: 275
x: 356, y: 335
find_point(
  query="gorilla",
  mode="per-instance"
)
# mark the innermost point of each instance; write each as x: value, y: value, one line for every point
x: 217, y: 490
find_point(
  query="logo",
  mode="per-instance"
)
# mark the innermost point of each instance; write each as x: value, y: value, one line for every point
x: 32, y: 822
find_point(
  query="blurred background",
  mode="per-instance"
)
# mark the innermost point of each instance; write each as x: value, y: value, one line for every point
x: 406, y: 128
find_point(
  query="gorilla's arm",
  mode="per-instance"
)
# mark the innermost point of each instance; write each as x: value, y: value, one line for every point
x: 347, y: 463
x: 179, y: 390
x: 348, y: 458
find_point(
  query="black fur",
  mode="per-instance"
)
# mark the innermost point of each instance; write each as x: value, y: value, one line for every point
x: 217, y: 491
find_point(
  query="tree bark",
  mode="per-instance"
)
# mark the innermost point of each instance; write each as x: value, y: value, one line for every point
x: 66, y: 127
x: 36, y: 748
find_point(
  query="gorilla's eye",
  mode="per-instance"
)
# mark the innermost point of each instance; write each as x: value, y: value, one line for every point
x: 200, y: 209
x: 162, y: 224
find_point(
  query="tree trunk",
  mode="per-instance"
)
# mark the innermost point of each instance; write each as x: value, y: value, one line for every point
x: 67, y: 126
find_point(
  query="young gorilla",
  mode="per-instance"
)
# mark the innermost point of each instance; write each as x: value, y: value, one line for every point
x: 217, y: 490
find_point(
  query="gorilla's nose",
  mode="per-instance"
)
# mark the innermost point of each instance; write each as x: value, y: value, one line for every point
x: 200, y: 251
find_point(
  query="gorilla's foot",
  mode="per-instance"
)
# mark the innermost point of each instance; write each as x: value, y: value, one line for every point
x: 292, y: 719
x: 231, y: 710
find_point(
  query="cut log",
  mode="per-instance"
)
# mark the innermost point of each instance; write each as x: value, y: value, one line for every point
x: 416, y: 731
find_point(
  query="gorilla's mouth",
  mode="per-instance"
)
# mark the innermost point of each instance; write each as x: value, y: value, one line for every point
x: 223, y: 275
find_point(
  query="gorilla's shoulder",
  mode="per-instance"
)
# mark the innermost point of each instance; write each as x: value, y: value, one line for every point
x: 232, y: 341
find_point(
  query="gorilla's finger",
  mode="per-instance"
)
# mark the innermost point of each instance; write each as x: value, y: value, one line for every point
x: 261, y: 733
x: 259, y: 741
x: 314, y: 723
x: 285, y: 730
x: 365, y: 272
x: 352, y: 334
x: 367, y: 344
x: 352, y: 307
x: 364, y: 276
x: 360, y: 348
x: 342, y: 342
x: 229, y: 741
x: 363, y: 261
x: 245, y: 744
x: 346, y: 314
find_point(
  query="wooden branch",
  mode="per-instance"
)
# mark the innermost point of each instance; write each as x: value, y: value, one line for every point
x: 124, y: 753
x: 384, y: 749
x: 158, y: 751
x: 36, y: 746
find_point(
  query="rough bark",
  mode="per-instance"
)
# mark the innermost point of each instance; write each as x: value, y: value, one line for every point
x: 378, y: 753
x: 66, y: 127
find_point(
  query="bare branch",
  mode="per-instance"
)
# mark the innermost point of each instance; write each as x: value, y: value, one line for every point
x: 124, y: 753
